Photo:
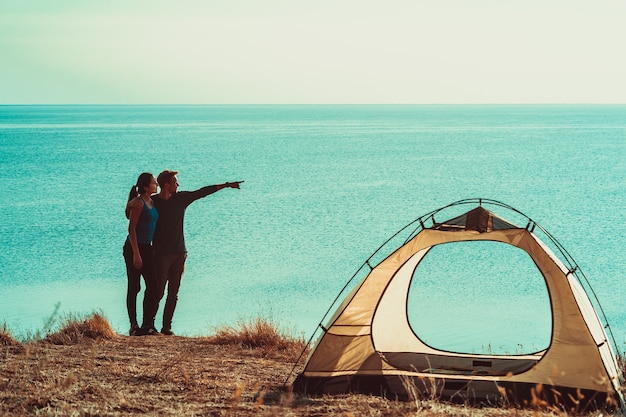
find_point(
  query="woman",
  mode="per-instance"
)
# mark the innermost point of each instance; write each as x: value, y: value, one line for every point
x: 138, y: 252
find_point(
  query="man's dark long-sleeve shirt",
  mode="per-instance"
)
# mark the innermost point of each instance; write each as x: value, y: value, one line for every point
x: 169, y: 235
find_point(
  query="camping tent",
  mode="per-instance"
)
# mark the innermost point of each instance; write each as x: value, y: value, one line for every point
x: 369, y: 346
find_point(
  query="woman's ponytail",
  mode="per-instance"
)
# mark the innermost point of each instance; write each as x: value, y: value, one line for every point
x: 133, y: 193
x: 143, y: 181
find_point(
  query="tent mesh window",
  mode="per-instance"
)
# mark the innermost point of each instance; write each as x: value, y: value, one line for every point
x: 504, y: 303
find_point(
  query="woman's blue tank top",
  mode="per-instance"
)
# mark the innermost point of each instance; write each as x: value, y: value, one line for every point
x: 147, y: 224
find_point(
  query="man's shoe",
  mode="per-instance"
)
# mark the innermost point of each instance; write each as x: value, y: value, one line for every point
x: 146, y: 331
x: 167, y: 331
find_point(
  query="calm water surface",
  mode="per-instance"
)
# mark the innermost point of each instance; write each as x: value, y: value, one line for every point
x: 324, y: 187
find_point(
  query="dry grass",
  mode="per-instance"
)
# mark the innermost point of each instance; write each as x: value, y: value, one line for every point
x: 74, y: 330
x: 260, y: 334
x: 86, y: 370
x: 5, y: 337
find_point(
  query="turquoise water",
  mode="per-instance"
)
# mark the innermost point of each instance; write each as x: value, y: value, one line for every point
x: 324, y: 187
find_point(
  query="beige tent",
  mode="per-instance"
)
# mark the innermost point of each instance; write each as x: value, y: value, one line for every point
x: 369, y: 346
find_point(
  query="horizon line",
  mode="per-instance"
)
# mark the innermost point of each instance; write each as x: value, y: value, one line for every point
x: 328, y: 104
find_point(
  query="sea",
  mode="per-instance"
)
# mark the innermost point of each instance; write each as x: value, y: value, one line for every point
x: 324, y: 186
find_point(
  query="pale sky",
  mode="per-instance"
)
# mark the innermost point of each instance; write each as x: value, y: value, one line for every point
x: 315, y: 51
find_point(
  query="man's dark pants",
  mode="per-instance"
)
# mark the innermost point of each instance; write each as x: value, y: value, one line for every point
x: 169, y: 271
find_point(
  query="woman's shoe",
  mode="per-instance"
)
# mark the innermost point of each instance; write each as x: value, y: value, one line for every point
x: 133, y: 330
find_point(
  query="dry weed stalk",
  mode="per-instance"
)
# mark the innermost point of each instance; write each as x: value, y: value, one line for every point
x: 411, y: 390
x: 238, y: 392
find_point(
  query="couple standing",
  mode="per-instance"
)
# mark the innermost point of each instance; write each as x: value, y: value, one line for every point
x: 155, y: 246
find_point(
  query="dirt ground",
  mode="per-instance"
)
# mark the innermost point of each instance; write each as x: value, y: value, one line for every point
x: 172, y: 375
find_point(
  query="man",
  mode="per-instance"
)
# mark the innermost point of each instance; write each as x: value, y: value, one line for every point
x: 169, y: 245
